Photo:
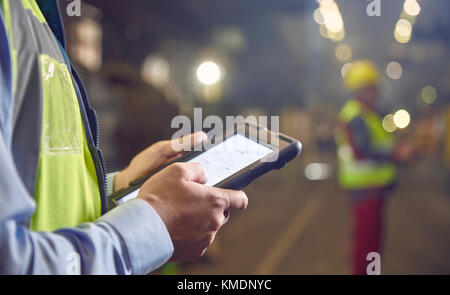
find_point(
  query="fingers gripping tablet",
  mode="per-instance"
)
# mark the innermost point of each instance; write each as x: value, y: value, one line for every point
x: 235, y: 161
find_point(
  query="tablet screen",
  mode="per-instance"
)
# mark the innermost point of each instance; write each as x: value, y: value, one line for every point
x: 224, y: 159
x: 230, y: 156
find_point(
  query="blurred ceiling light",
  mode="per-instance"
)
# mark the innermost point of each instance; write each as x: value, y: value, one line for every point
x: 401, y: 39
x: 403, y: 31
x: 394, y: 70
x: 345, y: 68
x: 411, y: 7
x: 402, y: 119
x: 208, y: 73
x: 330, y: 20
x: 388, y: 123
x: 403, y: 27
x: 155, y: 70
x: 343, y: 52
x: 325, y: 2
x: 429, y: 94
x: 318, y: 18
x: 333, y: 21
x: 317, y: 171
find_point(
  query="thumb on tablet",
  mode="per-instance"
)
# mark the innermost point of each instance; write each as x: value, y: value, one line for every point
x: 237, y: 200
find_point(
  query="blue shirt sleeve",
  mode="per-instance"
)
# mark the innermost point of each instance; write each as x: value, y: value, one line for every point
x: 5, y: 84
x: 130, y: 239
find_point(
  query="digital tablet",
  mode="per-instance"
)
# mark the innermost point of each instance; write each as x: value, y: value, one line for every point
x: 243, y: 154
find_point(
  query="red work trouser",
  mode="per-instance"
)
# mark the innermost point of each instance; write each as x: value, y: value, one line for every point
x: 367, y: 228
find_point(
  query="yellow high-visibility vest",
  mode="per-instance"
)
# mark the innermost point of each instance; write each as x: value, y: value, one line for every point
x: 66, y: 187
x: 354, y: 173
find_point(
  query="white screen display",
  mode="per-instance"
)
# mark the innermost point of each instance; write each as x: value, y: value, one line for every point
x: 227, y: 158
x: 223, y: 160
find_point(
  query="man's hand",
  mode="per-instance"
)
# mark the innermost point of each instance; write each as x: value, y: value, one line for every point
x: 154, y: 157
x: 191, y: 211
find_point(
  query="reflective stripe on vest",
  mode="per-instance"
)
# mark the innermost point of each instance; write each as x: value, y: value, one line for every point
x: 354, y: 173
x: 48, y: 126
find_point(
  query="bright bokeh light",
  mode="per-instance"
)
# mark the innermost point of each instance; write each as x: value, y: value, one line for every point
x: 156, y: 70
x: 317, y: 171
x: 343, y: 52
x: 403, y: 31
x: 394, y: 70
x: 208, y: 73
x: 325, y: 2
x: 428, y: 94
x: 402, y: 119
x: 330, y: 20
x: 333, y: 21
x: 411, y: 7
x: 404, y: 27
x: 345, y: 68
x: 388, y: 123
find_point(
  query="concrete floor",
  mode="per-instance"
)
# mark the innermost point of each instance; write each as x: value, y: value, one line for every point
x: 295, y: 226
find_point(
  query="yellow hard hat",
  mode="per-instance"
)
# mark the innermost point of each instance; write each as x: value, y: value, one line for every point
x: 361, y: 74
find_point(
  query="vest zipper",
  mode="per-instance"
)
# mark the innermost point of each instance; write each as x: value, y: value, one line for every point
x: 89, y: 115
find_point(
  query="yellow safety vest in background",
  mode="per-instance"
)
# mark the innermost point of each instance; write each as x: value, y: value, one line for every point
x: 66, y: 189
x: 354, y: 173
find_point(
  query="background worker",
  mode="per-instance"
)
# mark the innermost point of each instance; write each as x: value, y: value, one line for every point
x: 53, y: 193
x: 366, y: 158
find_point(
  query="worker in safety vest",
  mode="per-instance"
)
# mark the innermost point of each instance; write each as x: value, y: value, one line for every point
x: 366, y: 157
x: 55, y: 216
